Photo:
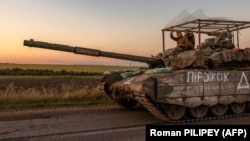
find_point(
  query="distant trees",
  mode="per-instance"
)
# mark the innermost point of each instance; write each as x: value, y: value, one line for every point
x: 45, y: 72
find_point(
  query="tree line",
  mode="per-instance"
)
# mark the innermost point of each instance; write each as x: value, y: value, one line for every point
x: 45, y: 72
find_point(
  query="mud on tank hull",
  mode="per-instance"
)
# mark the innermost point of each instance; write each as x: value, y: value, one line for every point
x: 189, y: 93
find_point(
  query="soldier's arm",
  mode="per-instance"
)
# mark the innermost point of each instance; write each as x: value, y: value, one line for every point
x: 172, y: 37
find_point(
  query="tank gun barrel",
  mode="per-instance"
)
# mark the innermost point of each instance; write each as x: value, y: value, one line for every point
x: 152, y: 62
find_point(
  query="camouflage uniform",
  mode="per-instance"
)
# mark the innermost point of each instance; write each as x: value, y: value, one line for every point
x: 182, y: 44
x: 191, y: 38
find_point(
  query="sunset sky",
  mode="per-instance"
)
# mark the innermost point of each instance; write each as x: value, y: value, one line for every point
x: 123, y: 26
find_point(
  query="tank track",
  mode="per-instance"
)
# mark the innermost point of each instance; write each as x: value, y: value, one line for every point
x: 146, y: 103
x: 153, y: 109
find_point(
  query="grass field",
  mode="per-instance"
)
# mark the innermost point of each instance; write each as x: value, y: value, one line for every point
x: 33, y: 98
x: 29, y: 92
x: 75, y: 68
x: 22, y: 92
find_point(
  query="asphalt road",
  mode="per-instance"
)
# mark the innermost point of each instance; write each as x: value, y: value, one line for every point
x: 110, y: 123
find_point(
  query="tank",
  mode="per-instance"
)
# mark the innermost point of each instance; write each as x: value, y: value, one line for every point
x: 208, y: 82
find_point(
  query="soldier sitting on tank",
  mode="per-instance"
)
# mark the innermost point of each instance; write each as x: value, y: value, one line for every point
x: 183, y: 42
x: 190, y: 37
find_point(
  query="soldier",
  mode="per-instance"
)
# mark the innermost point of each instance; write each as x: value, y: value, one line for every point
x: 190, y: 37
x: 182, y: 42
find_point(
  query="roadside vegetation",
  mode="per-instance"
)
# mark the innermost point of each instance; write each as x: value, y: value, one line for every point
x: 28, y: 95
x: 33, y: 98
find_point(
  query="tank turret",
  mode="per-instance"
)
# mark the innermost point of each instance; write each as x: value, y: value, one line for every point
x: 188, y: 59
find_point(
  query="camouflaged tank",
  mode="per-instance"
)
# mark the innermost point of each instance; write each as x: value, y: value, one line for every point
x: 211, y: 80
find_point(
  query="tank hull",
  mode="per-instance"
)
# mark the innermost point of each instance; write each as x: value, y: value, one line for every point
x: 189, y: 89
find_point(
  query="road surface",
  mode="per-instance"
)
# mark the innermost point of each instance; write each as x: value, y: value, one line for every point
x: 109, y: 123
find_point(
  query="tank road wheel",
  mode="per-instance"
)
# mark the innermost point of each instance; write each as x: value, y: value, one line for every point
x: 174, y: 112
x: 219, y: 109
x: 238, y: 108
x: 198, y: 112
